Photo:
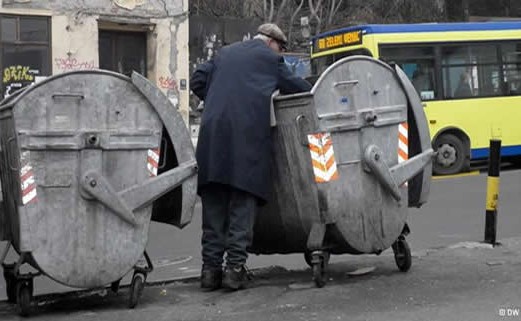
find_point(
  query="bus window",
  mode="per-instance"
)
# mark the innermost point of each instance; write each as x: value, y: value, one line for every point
x: 418, y: 64
x: 320, y: 64
x: 511, y: 54
x: 470, y: 70
x: 423, y: 78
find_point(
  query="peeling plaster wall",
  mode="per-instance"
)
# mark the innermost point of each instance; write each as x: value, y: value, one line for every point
x: 149, y: 8
x: 180, y: 53
x: 77, y: 48
x: 75, y: 36
x: 165, y: 71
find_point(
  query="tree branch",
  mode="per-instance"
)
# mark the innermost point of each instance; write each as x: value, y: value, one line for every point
x: 292, y: 19
x: 272, y: 10
x: 265, y: 9
x: 314, y: 10
x: 280, y: 11
x: 333, y: 10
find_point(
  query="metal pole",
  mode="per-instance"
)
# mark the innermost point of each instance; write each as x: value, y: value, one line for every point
x: 492, y: 191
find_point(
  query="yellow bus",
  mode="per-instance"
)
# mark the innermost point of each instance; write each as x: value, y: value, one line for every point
x: 468, y: 76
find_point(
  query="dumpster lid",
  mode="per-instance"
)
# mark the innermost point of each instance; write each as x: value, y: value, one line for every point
x: 19, y: 94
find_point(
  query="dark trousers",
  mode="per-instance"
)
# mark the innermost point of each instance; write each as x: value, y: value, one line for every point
x: 228, y: 218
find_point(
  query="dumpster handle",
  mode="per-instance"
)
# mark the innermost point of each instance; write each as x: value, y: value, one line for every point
x: 99, y: 187
x: 67, y: 95
x: 303, y: 124
x: 163, y: 147
x: 9, y: 158
x: 346, y: 82
x: 380, y: 169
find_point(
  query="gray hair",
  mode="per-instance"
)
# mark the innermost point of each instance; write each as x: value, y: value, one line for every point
x: 262, y: 37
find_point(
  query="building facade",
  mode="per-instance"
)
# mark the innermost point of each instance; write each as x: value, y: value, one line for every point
x: 39, y: 38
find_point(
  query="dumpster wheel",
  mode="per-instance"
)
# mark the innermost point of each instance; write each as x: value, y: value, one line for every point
x: 136, y: 289
x: 24, y: 297
x: 309, y: 258
x: 319, y: 261
x: 402, y: 254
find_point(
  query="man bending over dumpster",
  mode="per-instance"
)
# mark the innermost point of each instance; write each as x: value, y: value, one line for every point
x: 234, y: 147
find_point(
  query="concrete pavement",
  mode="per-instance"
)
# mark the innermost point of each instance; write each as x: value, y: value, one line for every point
x: 468, y: 281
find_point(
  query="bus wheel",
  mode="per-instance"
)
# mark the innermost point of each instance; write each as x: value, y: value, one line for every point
x: 450, y: 158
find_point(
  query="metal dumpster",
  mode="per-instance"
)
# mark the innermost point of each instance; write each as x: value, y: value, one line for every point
x: 349, y: 158
x: 81, y: 168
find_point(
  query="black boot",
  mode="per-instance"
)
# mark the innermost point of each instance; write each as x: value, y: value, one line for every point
x: 236, y: 277
x: 211, y: 279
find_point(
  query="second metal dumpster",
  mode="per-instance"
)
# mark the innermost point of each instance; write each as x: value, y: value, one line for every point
x: 344, y: 165
x: 79, y: 170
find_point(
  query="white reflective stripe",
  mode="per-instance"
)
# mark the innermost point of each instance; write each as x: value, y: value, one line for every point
x: 29, y: 197
x: 326, y: 138
x: 403, y: 130
x: 323, y: 155
x: 152, y: 169
x: 325, y: 175
x: 318, y: 157
x: 28, y: 182
x: 323, y: 158
x: 402, y: 146
x: 25, y: 169
x: 329, y: 153
x: 314, y: 140
x: 154, y: 155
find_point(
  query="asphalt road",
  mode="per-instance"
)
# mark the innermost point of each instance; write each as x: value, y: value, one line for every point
x: 455, y: 212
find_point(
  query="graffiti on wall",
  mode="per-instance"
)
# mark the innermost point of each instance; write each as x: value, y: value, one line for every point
x: 17, y: 73
x: 71, y: 64
x: 17, y: 77
x: 168, y: 82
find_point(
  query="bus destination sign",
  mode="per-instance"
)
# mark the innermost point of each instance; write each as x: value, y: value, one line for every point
x: 350, y: 38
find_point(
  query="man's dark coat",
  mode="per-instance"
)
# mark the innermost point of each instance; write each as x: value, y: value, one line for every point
x: 234, y: 145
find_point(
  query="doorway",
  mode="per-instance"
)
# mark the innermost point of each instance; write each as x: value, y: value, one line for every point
x: 123, y: 52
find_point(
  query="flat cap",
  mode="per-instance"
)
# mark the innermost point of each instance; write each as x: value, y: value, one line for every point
x: 273, y: 31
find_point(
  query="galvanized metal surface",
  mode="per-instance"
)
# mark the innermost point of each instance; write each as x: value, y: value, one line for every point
x: 420, y: 185
x: 86, y: 136
x: 360, y: 102
x: 166, y: 209
x: 3, y: 219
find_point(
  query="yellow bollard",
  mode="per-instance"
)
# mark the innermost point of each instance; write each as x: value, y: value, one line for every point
x: 492, y: 191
